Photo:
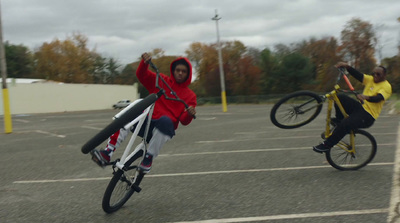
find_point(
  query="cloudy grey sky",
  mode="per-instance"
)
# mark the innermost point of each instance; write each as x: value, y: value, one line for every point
x: 123, y: 29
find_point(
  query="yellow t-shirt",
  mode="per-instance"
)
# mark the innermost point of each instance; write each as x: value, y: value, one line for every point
x: 372, y: 89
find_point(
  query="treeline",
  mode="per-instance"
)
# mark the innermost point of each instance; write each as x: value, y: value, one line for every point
x: 308, y: 64
x: 68, y: 61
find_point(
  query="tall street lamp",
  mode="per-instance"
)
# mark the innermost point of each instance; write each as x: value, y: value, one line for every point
x: 221, y: 69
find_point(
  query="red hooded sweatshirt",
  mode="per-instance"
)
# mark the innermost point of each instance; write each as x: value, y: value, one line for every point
x: 163, y: 107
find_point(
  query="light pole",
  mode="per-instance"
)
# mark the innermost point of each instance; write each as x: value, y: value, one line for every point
x: 6, y: 103
x: 221, y: 69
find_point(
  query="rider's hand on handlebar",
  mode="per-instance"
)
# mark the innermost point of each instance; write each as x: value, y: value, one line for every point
x: 342, y: 65
x: 362, y: 97
x: 191, y: 110
x: 146, y: 58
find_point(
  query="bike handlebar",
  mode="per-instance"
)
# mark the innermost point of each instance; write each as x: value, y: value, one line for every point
x: 352, y: 90
x: 162, y: 91
x: 348, y: 83
x: 343, y: 74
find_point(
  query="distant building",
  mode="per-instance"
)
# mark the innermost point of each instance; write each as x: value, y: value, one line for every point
x: 12, y: 81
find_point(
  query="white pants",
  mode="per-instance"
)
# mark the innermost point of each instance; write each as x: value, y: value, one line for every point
x: 157, y: 141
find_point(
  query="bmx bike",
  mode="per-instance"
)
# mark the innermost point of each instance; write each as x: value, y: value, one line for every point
x: 297, y: 109
x: 126, y: 174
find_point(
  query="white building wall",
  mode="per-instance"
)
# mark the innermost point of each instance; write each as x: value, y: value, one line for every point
x: 54, y: 97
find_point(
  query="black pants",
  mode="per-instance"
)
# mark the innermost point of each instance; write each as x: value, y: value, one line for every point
x: 163, y: 124
x: 358, y: 118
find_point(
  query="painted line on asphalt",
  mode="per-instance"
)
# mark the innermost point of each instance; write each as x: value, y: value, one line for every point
x: 291, y: 216
x: 49, y: 133
x: 42, y: 132
x: 394, y: 209
x: 91, y: 127
x: 253, y: 150
x: 193, y: 173
x: 274, y: 129
x: 21, y: 120
x: 272, y: 138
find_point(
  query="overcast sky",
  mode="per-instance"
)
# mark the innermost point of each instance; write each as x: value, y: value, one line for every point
x: 123, y: 29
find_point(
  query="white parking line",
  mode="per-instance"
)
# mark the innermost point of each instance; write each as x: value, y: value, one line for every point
x: 49, y: 133
x: 193, y: 173
x: 21, y: 120
x: 394, y: 209
x: 272, y: 138
x: 291, y: 216
x: 91, y: 127
x: 254, y: 150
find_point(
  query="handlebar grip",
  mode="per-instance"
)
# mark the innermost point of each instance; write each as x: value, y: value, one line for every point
x: 153, y: 66
x: 186, y: 106
x: 348, y: 82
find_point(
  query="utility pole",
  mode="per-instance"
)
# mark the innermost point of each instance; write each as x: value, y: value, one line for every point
x: 6, y: 102
x: 221, y: 69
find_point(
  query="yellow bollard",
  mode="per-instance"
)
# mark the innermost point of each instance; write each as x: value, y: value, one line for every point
x: 224, y: 106
x: 7, y: 113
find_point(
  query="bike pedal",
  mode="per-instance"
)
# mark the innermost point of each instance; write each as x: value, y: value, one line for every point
x: 96, y: 159
x: 136, y: 188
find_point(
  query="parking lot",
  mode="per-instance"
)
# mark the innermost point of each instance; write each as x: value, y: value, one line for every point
x: 224, y: 167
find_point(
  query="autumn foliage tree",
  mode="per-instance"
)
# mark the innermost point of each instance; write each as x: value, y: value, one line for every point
x: 71, y: 61
x: 242, y: 76
x: 358, y: 44
x: 68, y: 61
x: 323, y: 54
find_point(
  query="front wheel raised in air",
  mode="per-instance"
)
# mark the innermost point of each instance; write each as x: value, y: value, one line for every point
x: 296, y: 109
x: 341, y: 158
x: 114, y: 126
x: 122, y: 185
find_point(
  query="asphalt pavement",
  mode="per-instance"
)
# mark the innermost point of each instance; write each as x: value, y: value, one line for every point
x: 224, y: 167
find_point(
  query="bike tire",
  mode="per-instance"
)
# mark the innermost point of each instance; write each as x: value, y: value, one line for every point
x: 365, y: 146
x: 120, y: 189
x: 118, y: 123
x: 296, y: 109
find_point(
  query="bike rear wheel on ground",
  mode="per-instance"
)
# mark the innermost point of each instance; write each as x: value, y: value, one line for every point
x: 296, y: 109
x: 121, y: 187
x: 365, y: 150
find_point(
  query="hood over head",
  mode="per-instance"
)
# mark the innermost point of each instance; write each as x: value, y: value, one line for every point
x: 186, y: 62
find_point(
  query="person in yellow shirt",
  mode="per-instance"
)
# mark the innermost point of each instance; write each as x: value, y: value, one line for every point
x: 362, y: 113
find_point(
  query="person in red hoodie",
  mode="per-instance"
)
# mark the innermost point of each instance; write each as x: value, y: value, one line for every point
x: 166, y: 116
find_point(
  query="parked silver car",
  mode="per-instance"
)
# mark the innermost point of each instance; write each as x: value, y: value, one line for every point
x: 121, y: 104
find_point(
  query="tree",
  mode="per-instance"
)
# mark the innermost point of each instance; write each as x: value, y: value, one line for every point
x: 71, y: 61
x: 295, y: 71
x: 323, y: 55
x: 242, y: 76
x: 247, y: 78
x: 393, y: 71
x: 98, y: 71
x: 112, y: 68
x: 127, y: 75
x: 19, y: 61
x: 205, y: 62
x: 268, y: 65
x: 358, y: 43
x: 398, y: 42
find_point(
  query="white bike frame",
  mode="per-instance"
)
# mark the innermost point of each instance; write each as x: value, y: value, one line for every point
x: 148, y: 112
